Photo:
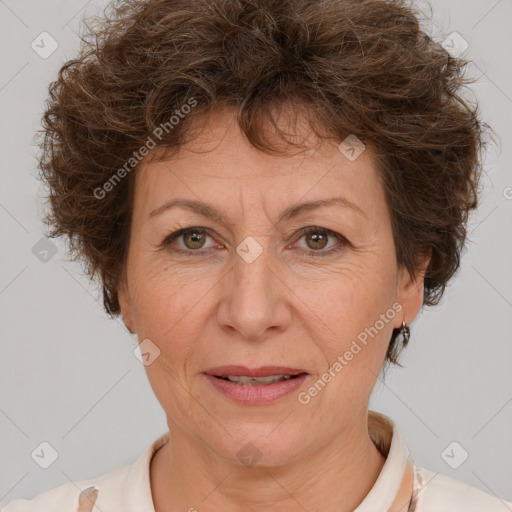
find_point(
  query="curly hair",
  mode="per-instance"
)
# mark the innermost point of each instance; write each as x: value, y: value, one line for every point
x: 355, y: 67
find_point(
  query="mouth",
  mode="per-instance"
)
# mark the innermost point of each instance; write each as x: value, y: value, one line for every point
x: 256, y: 386
x: 262, y: 376
x: 244, y: 380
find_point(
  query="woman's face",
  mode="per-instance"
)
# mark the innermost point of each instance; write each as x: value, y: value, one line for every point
x: 248, y: 287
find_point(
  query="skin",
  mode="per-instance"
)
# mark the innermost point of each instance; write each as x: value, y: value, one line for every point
x: 285, y: 308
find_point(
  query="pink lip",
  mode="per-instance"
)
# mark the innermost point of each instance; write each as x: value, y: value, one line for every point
x: 262, y: 371
x: 257, y: 395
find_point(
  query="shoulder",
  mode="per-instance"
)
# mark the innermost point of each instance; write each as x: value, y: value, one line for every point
x: 437, y: 492
x: 129, y: 484
x: 79, y: 496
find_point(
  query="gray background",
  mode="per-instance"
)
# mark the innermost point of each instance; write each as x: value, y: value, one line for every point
x: 68, y: 375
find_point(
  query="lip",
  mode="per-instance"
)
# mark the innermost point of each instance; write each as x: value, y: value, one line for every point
x: 257, y: 395
x: 262, y: 371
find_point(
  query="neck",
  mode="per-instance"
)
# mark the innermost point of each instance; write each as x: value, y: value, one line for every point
x: 186, y: 476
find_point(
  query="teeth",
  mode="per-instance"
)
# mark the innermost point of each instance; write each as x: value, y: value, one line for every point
x: 257, y: 381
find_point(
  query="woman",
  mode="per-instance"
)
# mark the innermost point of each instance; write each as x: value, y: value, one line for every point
x: 269, y: 192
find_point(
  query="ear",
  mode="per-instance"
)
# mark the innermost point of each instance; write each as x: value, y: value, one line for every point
x: 410, y: 290
x: 126, y: 305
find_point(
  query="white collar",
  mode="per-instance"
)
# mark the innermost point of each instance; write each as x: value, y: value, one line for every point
x: 385, y: 434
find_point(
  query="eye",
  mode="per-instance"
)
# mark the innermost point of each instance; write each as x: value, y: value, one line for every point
x: 317, y: 239
x: 193, y: 240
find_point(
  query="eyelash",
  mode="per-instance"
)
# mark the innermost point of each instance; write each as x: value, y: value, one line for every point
x: 303, y: 232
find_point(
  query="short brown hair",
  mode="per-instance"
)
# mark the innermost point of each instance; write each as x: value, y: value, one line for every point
x: 361, y: 67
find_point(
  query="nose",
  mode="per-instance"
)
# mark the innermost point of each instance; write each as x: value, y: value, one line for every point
x: 255, y: 299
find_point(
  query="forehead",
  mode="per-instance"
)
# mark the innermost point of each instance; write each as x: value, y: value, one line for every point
x: 221, y: 166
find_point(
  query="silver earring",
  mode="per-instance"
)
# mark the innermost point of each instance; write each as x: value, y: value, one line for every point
x: 405, y: 332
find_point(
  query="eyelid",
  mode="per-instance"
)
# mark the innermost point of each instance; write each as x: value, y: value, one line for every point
x: 308, y: 229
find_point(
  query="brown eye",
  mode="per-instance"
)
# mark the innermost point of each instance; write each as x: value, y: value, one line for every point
x: 188, y: 240
x: 316, y: 240
x: 321, y: 242
x: 194, y: 239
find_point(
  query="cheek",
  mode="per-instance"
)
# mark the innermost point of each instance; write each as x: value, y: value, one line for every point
x: 353, y: 335
x: 352, y: 293
x: 162, y: 298
x: 350, y: 315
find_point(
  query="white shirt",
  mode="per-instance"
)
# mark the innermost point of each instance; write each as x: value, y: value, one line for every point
x: 127, y: 489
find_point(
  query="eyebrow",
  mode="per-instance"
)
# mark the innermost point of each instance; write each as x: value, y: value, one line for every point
x: 209, y: 211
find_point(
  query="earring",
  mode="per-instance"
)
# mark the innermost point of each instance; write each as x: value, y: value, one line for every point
x: 405, y: 332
